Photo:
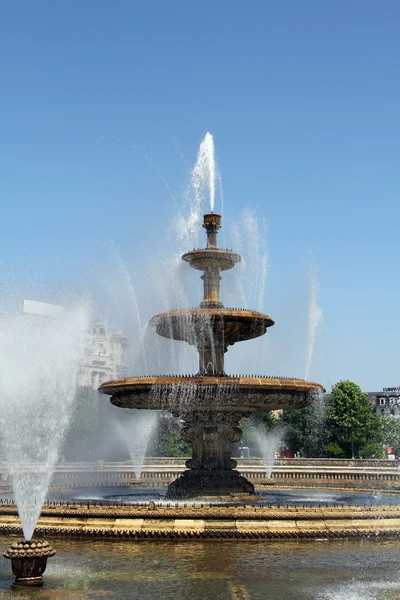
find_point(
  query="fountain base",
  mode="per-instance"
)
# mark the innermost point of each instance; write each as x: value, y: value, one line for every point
x: 206, y: 483
x: 26, y: 581
x: 211, y: 469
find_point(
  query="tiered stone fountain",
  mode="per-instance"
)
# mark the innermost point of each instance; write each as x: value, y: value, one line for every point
x: 211, y: 403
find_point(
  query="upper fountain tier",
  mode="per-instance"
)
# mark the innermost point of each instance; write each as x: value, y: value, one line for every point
x: 211, y: 260
x: 211, y: 328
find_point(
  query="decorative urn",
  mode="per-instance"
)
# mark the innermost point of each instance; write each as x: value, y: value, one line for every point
x: 29, y: 560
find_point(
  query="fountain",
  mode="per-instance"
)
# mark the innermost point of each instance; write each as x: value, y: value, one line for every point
x: 35, y: 408
x: 211, y: 403
x: 39, y: 359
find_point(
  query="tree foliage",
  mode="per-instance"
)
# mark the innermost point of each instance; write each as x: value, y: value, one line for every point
x: 389, y: 433
x: 351, y: 424
x: 306, y: 433
x: 342, y: 425
x: 168, y: 441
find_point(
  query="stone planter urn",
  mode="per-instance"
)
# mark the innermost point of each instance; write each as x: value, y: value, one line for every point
x: 28, y: 561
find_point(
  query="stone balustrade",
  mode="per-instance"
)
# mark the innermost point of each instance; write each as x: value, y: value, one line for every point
x: 159, y: 472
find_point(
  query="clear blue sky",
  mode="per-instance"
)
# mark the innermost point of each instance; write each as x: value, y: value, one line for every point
x: 303, y: 99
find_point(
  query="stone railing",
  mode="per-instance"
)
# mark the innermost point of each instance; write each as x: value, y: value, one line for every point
x: 159, y: 472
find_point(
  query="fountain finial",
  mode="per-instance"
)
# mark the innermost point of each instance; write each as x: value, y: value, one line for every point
x: 212, y: 222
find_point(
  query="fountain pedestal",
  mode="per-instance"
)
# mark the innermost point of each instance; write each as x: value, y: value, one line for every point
x: 212, y: 470
x: 29, y: 561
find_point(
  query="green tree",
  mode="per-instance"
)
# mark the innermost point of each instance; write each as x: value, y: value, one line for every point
x: 390, y: 433
x: 168, y: 441
x: 353, y: 427
x: 306, y: 432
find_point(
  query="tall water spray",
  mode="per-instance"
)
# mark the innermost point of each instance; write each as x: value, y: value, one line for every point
x: 315, y: 316
x: 203, y: 174
x: 39, y: 362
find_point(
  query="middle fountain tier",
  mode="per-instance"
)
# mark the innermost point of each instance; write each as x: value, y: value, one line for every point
x: 211, y: 403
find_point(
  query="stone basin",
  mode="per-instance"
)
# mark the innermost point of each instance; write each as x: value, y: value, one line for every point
x: 208, y: 393
x: 193, y: 324
x: 204, y: 257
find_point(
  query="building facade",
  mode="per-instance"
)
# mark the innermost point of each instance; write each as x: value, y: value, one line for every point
x: 105, y: 355
x: 386, y: 402
x: 105, y: 349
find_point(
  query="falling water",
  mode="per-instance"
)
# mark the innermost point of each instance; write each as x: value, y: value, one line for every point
x: 203, y: 174
x: 137, y: 432
x: 268, y: 444
x: 132, y: 296
x: 39, y: 361
x: 175, y: 397
x: 314, y: 316
x: 249, y: 238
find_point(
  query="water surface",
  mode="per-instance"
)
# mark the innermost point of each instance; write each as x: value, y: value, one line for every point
x: 272, y: 496
x: 204, y: 570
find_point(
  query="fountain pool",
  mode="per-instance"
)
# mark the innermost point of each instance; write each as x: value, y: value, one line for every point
x: 314, y: 570
x: 269, y: 497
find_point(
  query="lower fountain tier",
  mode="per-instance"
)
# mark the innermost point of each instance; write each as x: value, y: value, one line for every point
x: 180, y: 394
x: 211, y: 409
x: 197, y: 326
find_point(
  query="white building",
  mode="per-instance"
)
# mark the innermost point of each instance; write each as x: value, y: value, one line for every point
x: 42, y: 309
x: 105, y: 352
